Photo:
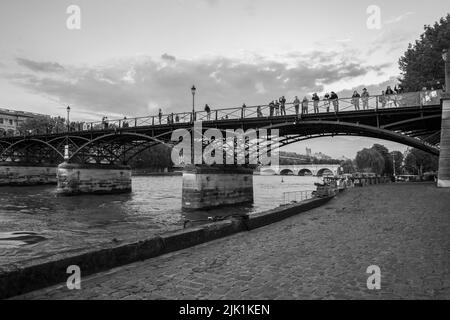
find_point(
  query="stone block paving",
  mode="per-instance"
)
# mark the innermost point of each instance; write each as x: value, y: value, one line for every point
x: 320, y: 254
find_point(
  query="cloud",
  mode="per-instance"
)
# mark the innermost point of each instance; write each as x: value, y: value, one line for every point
x: 138, y: 86
x: 398, y: 18
x: 40, y: 66
x: 166, y: 56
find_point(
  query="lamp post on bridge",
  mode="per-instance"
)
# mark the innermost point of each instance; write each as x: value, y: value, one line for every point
x: 193, y: 89
x: 68, y: 120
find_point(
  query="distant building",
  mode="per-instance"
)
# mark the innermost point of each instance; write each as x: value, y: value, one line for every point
x: 321, y: 156
x: 11, y: 119
x: 308, y: 152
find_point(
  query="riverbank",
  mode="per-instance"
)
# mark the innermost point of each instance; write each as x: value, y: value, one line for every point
x: 34, y: 274
x: 321, y: 254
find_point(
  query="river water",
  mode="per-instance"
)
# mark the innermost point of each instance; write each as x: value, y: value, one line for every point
x: 35, y: 223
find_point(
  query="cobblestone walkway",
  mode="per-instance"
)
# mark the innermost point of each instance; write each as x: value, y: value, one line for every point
x: 323, y: 253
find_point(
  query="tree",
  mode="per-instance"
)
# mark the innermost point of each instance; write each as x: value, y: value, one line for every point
x: 348, y: 166
x: 42, y: 124
x: 419, y: 162
x: 370, y: 160
x: 155, y: 158
x: 384, y: 152
x: 422, y: 64
x: 398, y: 160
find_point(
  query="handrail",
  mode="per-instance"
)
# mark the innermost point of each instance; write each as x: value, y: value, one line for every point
x: 375, y: 102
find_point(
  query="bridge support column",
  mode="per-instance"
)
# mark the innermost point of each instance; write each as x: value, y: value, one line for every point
x: 22, y: 174
x: 213, y: 186
x: 444, y: 154
x: 76, y: 179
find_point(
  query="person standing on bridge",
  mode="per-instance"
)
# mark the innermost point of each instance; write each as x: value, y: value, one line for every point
x: 160, y: 115
x: 243, y: 111
x: 355, y: 100
x: 283, y: 105
x: 271, y: 107
x: 208, y: 112
x: 315, y: 99
x: 365, y: 99
x: 326, y: 98
x: 305, y: 105
x: 390, y: 96
x: 125, y: 122
x: 259, y: 112
x: 382, y: 99
x: 335, y: 100
x: 296, y: 105
x: 277, y: 108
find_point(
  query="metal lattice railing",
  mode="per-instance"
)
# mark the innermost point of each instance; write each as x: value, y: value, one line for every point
x: 377, y: 102
x: 292, y: 197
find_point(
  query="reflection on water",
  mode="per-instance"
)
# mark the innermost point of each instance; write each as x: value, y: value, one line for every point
x: 34, y: 222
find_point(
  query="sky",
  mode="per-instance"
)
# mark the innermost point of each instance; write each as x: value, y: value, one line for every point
x: 129, y: 58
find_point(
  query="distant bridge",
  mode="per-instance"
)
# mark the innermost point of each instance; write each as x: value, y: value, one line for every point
x: 301, y: 169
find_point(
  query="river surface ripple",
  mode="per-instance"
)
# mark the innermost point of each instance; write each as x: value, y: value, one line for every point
x: 35, y: 223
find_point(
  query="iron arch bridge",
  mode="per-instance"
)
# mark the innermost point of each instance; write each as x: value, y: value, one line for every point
x: 412, y: 119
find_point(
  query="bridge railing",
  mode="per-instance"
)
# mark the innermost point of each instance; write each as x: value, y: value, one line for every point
x: 376, y: 102
x: 296, y: 196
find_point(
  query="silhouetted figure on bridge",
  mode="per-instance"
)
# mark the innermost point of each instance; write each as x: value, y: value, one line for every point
x: 105, y: 122
x: 365, y: 99
x: 259, y: 113
x: 334, y: 99
x: 326, y: 98
x: 283, y: 105
x: 390, y: 95
x: 355, y: 99
x: 243, y: 111
x: 315, y: 99
x: 125, y: 123
x: 160, y: 115
x: 208, y: 112
x: 305, y: 105
x: 382, y: 99
x: 296, y: 105
x: 271, y: 107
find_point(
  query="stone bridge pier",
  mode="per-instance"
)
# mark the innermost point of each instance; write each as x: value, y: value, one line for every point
x: 74, y: 179
x: 26, y: 174
x: 213, y: 186
x: 444, y: 155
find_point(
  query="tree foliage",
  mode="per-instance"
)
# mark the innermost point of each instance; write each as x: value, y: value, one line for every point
x: 155, y: 158
x: 387, y: 157
x: 398, y: 160
x: 42, y: 124
x: 369, y: 160
x: 422, y: 64
x: 419, y: 162
x: 348, y: 166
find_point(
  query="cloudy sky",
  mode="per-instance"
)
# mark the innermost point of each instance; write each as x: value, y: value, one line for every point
x: 133, y: 57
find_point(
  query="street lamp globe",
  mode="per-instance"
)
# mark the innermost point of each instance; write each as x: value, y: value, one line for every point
x: 445, y: 55
x: 193, y: 90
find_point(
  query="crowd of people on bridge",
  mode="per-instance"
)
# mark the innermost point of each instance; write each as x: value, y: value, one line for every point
x: 329, y: 102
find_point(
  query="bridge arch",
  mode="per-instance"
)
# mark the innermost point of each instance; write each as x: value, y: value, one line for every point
x: 305, y: 172
x: 138, y: 141
x: 286, y: 172
x: 324, y: 171
x: 304, y: 130
x: 14, y: 145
